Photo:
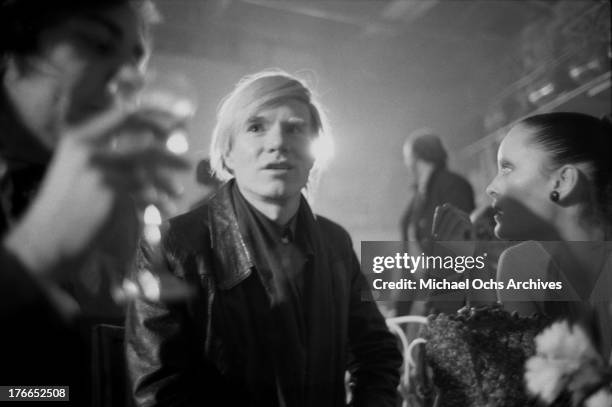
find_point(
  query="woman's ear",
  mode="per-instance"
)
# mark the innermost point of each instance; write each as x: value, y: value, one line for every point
x: 567, y: 182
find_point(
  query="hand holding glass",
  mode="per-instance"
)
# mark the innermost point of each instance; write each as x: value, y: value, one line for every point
x: 163, y: 105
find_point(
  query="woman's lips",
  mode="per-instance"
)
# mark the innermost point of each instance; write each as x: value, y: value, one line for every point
x: 498, y: 214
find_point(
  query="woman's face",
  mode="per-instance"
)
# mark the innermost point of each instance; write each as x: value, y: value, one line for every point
x: 521, y: 190
x: 69, y: 78
x: 270, y: 154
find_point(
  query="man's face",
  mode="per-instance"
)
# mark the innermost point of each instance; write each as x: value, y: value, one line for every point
x: 270, y: 154
x: 69, y: 79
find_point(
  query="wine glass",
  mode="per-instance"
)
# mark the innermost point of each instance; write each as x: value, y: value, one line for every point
x: 163, y: 101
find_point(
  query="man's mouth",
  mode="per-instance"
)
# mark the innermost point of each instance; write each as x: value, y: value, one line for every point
x: 279, y: 166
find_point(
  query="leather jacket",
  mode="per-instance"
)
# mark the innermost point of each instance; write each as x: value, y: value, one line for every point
x: 208, y: 350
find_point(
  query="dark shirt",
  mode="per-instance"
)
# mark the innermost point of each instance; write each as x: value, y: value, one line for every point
x: 275, y: 249
x: 443, y: 187
x: 279, y: 256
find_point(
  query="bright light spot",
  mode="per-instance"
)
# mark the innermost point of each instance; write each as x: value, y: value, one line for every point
x: 545, y: 90
x: 152, y: 234
x: 130, y: 289
x: 575, y: 72
x: 322, y: 149
x: 167, y: 101
x: 150, y: 285
x: 177, y: 142
x: 183, y: 108
x: 152, y: 216
x: 548, y: 89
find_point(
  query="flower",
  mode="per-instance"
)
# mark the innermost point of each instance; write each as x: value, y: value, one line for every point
x: 603, y: 398
x: 566, y: 360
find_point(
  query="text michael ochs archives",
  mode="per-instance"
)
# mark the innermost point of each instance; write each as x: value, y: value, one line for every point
x: 393, y: 273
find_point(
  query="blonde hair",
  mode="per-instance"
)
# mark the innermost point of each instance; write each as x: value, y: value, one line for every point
x: 250, y: 94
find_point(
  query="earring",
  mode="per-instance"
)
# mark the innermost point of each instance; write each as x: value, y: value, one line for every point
x: 554, y: 196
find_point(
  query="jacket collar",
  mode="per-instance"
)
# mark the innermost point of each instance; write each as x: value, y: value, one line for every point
x: 227, y: 242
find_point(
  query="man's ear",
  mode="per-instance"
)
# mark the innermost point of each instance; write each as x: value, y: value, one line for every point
x: 566, y: 182
x: 228, y: 160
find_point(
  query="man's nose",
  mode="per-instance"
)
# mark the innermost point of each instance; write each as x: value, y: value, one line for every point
x: 276, y: 138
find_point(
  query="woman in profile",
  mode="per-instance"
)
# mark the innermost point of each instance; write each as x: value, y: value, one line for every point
x: 553, y: 192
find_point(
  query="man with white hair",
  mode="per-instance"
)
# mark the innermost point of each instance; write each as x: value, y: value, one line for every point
x: 282, y: 309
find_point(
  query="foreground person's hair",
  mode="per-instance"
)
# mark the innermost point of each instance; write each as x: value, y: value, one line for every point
x: 23, y: 21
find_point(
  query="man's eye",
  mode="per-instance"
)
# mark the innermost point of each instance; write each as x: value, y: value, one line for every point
x: 298, y: 130
x: 294, y: 129
x: 505, y: 169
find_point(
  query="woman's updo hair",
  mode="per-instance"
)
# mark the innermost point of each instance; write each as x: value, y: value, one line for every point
x: 572, y: 138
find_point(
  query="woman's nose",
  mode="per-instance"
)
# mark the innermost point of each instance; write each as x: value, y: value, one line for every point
x: 491, y: 189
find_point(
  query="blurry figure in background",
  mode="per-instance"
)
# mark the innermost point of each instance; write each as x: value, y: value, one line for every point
x: 281, y: 298
x: 433, y: 185
x: 205, y: 178
x: 483, y: 232
x: 65, y: 193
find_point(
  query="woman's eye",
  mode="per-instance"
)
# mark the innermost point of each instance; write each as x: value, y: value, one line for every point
x: 254, y: 128
x: 505, y: 169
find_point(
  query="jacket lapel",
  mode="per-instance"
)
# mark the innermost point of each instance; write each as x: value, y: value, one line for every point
x: 227, y: 242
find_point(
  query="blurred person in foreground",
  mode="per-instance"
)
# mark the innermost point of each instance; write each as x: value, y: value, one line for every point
x: 433, y: 185
x: 281, y: 300
x: 65, y: 193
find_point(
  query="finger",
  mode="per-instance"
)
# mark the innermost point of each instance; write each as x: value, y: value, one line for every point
x: 146, y: 185
x: 159, y: 121
x: 450, y: 223
x: 447, y: 228
x: 460, y: 231
x: 458, y: 212
x: 443, y: 217
x: 437, y: 218
x: 101, y: 128
x: 151, y: 157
